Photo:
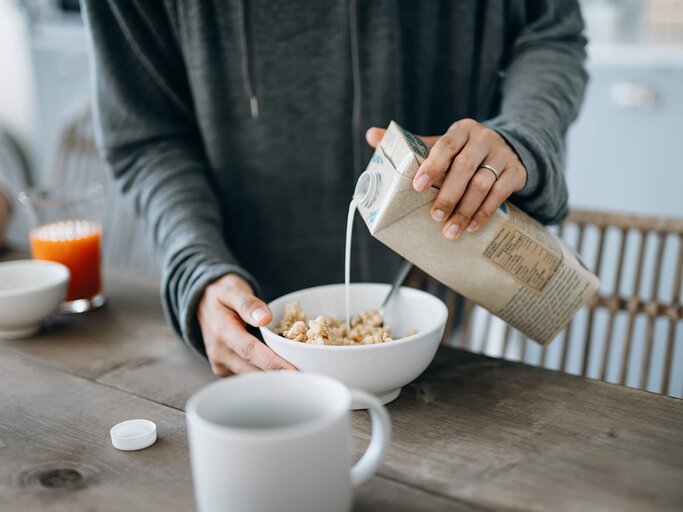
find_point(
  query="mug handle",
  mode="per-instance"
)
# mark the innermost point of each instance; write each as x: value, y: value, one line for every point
x: 368, y: 464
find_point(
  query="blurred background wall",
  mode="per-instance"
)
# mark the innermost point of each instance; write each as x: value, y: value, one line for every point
x: 623, y: 152
x: 44, y: 69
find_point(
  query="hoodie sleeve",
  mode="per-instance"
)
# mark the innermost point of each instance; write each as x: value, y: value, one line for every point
x: 147, y: 133
x: 542, y: 92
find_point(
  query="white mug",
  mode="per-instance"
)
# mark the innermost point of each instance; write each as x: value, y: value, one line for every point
x: 280, y: 441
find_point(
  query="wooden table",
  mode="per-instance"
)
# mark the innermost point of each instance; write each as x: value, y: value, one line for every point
x: 473, y: 433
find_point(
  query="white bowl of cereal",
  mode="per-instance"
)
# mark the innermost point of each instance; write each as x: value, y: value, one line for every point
x: 382, y: 359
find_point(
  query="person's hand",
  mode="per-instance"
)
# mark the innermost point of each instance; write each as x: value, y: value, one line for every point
x: 226, y: 305
x: 469, y: 193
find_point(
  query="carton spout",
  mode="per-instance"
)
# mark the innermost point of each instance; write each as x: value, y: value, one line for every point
x: 367, y: 188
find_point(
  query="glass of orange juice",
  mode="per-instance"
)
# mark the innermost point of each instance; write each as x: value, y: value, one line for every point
x: 68, y: 229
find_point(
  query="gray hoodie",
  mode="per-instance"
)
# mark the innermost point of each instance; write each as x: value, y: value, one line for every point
x: 236, y: 128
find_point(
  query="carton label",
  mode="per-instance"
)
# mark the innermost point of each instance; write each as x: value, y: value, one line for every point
x: 527, y: 259
x: 416, y: 145
x: 533, y: 228
x: 541, y: 317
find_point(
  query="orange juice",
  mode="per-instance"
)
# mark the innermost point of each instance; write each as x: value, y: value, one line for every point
x: 76, y: 244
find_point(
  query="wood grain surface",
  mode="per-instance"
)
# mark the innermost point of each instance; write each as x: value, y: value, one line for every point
x: 56, y: 454
x: 504, y: 435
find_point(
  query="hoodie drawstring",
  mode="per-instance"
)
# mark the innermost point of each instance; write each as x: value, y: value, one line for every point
x: 247, y: 59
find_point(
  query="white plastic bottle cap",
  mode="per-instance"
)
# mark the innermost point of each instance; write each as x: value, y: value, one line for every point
x: 133, y: 434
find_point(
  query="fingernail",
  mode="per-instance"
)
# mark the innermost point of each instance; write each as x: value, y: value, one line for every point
x: 453, y: 232
x: 421, y: 183
x: 259, y: 314
x: 472, y: 226
x: 438, y: 215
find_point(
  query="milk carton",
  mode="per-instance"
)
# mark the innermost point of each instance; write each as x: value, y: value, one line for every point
x: 512, y: 266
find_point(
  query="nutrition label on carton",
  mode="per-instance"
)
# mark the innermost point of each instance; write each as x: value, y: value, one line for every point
x: 525, y: 258
x: 541, y: 317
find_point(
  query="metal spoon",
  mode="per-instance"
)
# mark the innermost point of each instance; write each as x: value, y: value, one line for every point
x: 395, y: 287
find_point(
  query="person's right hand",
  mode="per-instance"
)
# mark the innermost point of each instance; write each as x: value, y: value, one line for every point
x: 226, y: 305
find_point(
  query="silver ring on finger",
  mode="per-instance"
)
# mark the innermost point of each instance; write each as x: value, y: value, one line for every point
x: 495, y: 172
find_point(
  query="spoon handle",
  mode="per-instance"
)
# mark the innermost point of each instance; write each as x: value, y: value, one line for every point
x: 396, y: 285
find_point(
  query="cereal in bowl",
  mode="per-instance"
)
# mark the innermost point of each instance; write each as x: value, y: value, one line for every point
x: 366, y: 329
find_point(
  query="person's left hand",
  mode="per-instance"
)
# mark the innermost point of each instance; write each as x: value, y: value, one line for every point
x: 469, y: 193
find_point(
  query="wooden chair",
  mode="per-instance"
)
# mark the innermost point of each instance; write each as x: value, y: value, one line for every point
x: 76, y: 162
x: 628, y: 334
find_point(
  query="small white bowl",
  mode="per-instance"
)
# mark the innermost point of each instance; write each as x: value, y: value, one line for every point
x: 381, y: 369
x: 30, y: 293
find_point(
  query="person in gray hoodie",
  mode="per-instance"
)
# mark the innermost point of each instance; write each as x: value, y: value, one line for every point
x: 238, y: 129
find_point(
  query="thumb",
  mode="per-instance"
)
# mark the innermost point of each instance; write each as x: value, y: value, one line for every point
x: 374, y: 136
x: 237, y: 295
x: 254, y: 311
